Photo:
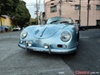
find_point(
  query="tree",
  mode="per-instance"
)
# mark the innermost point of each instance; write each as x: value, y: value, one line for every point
x: 22, y: 15
x: 8, y: 6
x: 16, y: 9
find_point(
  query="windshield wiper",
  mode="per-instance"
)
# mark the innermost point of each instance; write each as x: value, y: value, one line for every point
x: 65, y: 22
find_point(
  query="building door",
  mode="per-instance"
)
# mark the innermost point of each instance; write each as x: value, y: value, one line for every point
x: 98, y: 22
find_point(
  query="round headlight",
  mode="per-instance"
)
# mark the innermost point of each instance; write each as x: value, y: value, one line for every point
x: 65, y: 36
x: 23, y: 34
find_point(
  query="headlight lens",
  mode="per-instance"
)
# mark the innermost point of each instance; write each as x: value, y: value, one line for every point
x: 23, y: 34
x: 65, y: 36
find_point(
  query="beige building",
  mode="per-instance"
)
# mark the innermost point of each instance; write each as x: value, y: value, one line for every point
x: 5, y: 23
x: 6, y: 20
x: 71, y: 8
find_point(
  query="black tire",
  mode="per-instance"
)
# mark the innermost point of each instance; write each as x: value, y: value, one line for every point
x: 78, y: 37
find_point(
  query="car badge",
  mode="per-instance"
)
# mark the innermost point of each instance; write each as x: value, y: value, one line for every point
x: 43, y: 32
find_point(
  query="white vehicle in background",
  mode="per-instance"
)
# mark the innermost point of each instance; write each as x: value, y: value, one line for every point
x: 16, y: 29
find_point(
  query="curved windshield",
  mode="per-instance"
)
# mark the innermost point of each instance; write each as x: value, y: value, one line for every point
x: 57, y: 20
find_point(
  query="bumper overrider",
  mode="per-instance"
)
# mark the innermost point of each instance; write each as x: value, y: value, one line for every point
x: 47, y: 48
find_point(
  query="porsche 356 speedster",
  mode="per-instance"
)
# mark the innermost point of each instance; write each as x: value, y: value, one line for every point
x: 58, y: 35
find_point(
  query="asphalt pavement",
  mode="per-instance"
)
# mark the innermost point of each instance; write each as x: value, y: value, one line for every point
x: 87, y: 58
x: 17, y: 61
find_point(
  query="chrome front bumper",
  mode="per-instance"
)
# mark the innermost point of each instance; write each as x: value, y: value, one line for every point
x: 49, y: 50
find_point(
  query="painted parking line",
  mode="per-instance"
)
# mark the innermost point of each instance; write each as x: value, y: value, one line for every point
x: 84, y: 37
x: 58, y: 71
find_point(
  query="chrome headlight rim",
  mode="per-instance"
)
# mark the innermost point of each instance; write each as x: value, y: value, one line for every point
x: 65, y: 36
x: 23, y: 34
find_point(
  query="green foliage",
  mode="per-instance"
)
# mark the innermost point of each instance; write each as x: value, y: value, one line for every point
x: 22, y: 16
x: 32, y: 21
x: 16, y: 9
x: 7, y: 6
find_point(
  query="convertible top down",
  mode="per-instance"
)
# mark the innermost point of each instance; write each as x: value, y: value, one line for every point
x: 58, y: 35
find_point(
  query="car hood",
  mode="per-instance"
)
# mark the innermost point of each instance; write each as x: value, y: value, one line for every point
x: 47, y: 30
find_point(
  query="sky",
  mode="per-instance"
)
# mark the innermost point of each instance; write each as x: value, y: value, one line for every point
x: 30, y: 4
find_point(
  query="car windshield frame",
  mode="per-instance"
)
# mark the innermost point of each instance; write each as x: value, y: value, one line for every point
x: 59, y: 20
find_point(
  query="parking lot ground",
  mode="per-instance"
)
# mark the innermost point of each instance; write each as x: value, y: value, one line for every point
x: 17, y: 61
x: 88, y: 56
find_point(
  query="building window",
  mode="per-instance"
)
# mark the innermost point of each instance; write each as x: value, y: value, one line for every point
x: 52, y: 0
x: 69, y: 0
x: 52, y: 3
x: 53, y: 8
x: 97, y: 7
x: 97, y: 22
x: 77, y: 7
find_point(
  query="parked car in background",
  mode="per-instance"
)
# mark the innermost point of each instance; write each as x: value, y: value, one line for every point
x: 16, y: 29
x: 58, y: 35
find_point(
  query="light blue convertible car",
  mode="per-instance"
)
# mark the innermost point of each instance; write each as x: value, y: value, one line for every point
x: 58, y: 35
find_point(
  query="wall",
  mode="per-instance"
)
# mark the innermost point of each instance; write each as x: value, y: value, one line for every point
x: 68, y: 10
x: 6, y: 21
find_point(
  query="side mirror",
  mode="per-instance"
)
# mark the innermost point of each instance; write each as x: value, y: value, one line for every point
x: 77, y: 24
